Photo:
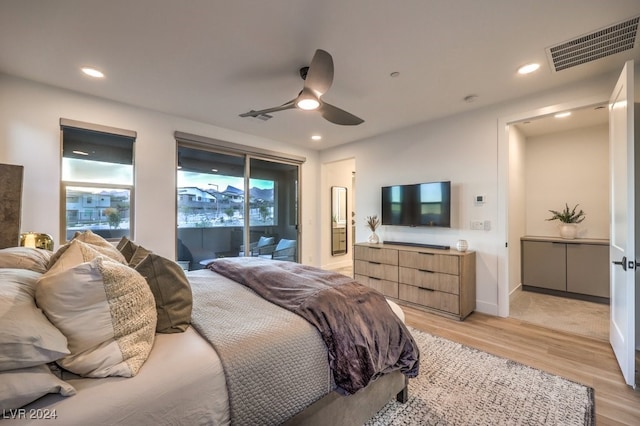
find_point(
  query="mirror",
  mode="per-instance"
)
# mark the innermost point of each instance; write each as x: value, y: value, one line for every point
x: 338, y: 220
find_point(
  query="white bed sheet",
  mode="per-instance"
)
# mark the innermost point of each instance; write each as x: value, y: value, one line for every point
x: 181, y: 383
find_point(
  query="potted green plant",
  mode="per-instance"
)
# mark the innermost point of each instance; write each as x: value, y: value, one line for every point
x: 569, y: 220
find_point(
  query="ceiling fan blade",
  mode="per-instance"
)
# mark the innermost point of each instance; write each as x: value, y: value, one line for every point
x: 289, y: 105
x: 339, y: 116
x: 320, y: 74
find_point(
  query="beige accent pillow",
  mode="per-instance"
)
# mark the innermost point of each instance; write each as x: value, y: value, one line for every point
x: 25, y: 258
x: 96, y: 241
x: 27, y: 338
x: 22, y: 386
x: 75, y: 253
x: 171, y: 291
x: 107, y: 312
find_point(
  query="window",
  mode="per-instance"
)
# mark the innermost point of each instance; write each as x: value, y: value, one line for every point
x: 97, y: 180
x: 233, y: 201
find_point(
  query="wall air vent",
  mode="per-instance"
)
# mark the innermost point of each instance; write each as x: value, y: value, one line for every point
x: 599, y: 44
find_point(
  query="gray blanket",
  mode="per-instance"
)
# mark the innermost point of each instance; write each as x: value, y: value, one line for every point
x: 365, y: 339
x: 275, y: 362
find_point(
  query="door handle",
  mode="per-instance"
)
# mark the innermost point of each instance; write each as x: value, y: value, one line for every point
x: 622, y: 262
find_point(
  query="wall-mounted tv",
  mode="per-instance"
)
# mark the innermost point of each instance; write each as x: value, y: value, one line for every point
x: 421, y: 204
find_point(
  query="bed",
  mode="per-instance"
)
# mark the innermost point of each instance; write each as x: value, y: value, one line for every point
x: 229, y: 356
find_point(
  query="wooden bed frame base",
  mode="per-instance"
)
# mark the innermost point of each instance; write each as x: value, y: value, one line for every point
x: 337, y: 410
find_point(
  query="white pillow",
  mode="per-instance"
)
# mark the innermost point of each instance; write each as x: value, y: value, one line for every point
x: 22, y: 386
x: 27, y: 338
x: 107, y: 312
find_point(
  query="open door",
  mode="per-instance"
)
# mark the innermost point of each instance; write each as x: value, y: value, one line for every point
x: 622, y: 249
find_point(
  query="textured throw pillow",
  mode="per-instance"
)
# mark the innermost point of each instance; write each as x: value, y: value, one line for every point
x: 75, y: 253
x: 171, y: 290
x: 127, y: 248
x: 96, y: 241
x: 107, y: 312
x: 22, y: 386
x: 27, y: 338
x: 25, y: 258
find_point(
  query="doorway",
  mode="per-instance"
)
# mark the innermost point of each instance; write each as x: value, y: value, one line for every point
x: 557, y: 161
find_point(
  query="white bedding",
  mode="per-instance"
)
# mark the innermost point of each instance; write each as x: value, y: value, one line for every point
x: 182, y: 382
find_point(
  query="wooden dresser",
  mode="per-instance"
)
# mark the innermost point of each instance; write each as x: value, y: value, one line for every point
x: 439, y: 281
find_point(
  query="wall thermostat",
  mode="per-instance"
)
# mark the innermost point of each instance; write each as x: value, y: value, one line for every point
x: 479, y: 200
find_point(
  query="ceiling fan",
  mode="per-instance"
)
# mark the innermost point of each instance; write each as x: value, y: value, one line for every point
x: 317, y: 77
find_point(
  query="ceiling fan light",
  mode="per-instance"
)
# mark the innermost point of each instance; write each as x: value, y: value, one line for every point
x: 308, y: 104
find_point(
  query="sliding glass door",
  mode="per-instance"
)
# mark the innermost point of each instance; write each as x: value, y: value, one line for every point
x: 273, y: 210
x: 234, y: 204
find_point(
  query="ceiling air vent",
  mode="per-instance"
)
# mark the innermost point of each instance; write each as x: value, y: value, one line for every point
x: 599, y: 44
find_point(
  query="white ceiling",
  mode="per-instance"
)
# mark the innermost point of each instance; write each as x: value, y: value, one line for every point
x: 210, y: 60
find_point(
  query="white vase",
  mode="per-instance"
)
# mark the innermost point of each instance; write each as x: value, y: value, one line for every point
x: 568, y: 231
x: 373, y: 238
x: 462, y: 245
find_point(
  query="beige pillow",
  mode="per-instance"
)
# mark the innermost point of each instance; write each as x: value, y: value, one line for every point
x: 96, y: 241
x: 75, y: 253
x: 171, y: 291
x: 27, y: 338
x: 107, y: 312
x: 25, y: 258
x: 22, y: 386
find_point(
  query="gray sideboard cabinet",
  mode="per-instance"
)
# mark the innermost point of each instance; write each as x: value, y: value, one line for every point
x: 574, y: 268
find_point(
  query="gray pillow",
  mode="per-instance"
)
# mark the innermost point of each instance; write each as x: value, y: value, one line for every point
x: 127, y: 248
x: 29, y: 258
x: 171, y: 290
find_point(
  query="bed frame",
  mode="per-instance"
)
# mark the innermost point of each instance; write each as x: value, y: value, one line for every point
x: 337, y: 410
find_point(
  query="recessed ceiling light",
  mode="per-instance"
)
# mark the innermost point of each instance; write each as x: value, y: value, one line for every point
x: 80, y: 153
x: 528, y: 68
x: 470, y: 98
x: 92, y: 72
x: 562, y: 114
x: 316, y: 137
x: 214, y: 170
x: 394, y: 74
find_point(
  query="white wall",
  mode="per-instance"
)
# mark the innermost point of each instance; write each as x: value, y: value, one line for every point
x: 465, y: 150
x: 30, y: 136
x: 568, y: 167
x: 517, y: 203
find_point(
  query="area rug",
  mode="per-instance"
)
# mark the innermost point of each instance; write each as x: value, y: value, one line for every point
x: 459, y: 385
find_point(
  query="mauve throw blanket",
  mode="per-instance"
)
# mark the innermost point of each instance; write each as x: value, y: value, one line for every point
x: 364, y: 338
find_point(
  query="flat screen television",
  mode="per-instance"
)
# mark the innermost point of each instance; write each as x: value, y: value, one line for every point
x: 421, y: 204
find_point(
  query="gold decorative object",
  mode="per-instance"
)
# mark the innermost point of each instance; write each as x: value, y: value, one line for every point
x: 36, y: 240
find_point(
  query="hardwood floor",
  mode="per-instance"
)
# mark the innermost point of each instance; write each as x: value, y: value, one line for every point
x: 582, y: 359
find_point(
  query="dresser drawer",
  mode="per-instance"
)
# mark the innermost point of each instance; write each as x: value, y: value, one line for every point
x: 430, y: 280
x: 375, y: 270
x: 431, y: 298
x: 430, y: 262
x: 388, y: 288
x: 374, y: 254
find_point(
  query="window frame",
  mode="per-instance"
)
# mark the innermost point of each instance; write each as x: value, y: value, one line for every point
x: 64, y: 184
